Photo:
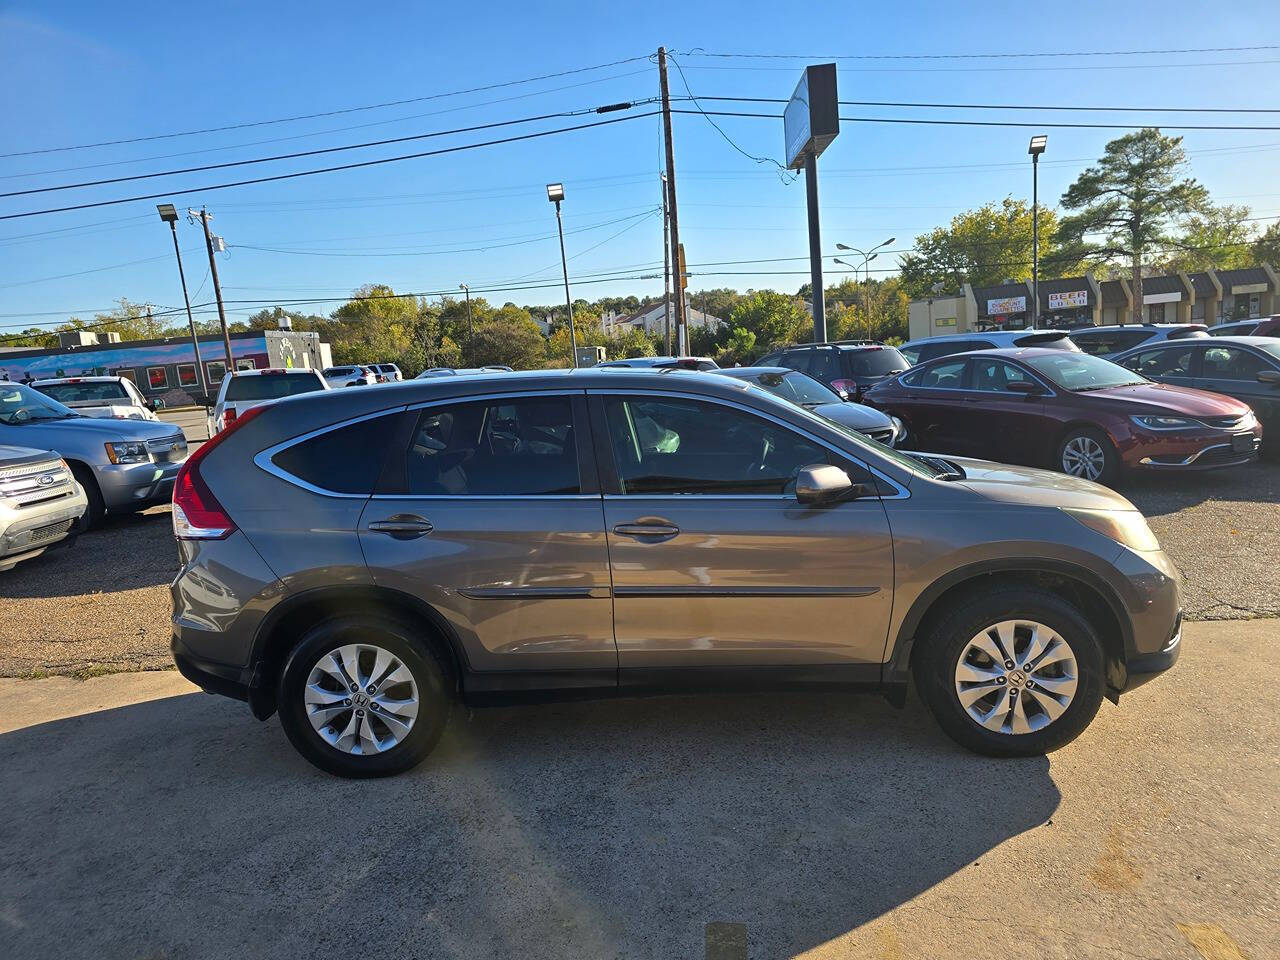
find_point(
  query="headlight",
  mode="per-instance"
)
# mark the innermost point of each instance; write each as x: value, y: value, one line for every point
x: 1126, y: 527
x: 128, y: 451
x: 1165, y: 423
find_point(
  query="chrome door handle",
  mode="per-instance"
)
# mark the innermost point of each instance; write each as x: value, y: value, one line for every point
x: 643, y: 529
x: 403, y: 526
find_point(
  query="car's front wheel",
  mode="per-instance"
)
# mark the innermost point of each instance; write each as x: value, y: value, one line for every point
x: 1011, y: 673
x: 362, y: 697
x: 1089, y: 453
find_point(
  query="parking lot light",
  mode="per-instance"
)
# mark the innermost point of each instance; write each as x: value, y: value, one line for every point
x: 169, y: 214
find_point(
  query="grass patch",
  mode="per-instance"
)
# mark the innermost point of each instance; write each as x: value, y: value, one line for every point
x: 91, y: 671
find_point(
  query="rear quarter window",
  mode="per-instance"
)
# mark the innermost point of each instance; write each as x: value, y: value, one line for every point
x: 345, y: 460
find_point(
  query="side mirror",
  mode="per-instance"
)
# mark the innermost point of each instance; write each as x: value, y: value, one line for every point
x: 1269, y: 376
x: 150, y: 405
x: 1025, y: 387
x: 822, y: 483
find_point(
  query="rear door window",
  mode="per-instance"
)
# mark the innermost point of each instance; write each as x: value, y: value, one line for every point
x: 825, y: 365
x: 517, y: 447
x: 1231, y: 363
x: 944, y: 375
x: 1161, y: 362
x: 994, y: 376
x: 875, y: 362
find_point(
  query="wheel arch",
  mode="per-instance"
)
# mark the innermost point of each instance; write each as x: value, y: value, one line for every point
x: 1082, y: 587
x: 279, y: 629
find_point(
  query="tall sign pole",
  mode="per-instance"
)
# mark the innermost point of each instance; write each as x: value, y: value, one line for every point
x: 672, y: 208
x: 191, y: 320
x: 811, y: 121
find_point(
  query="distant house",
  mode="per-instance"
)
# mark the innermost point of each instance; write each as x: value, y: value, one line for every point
x: 653, y: 320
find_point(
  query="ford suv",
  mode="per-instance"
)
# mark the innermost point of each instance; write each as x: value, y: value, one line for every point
x: 359, y: 561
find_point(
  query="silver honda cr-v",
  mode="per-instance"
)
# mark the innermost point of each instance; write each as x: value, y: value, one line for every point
x: 360, y: 561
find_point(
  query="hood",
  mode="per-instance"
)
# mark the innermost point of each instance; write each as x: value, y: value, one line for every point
x: 54, y: 431
x: 11, y: 456
x: 1032, y: 487
x: 854, y: 415
x: 1167, y: 398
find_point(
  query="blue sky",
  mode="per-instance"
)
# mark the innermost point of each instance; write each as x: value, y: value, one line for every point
x: 78, y: 72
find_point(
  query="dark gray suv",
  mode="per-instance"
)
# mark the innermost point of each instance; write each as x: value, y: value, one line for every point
x: 361, y: 560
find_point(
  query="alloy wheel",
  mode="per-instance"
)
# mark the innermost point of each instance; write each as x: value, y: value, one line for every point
x: 1084, y: 457
x: 361, y: 699
x: 1016, y: 676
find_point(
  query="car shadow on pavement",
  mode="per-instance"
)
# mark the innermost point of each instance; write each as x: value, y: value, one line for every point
x: 182, y: 827
x: 123, y: 553
x: 1157, y: 494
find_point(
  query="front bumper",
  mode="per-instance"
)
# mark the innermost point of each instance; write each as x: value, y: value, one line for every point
x: 1199, y: 451
x: 135, y: 485
x: 41, y: 528
x: 1152, y: 597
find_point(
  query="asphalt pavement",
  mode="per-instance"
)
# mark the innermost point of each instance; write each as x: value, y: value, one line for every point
x: 145, y: 820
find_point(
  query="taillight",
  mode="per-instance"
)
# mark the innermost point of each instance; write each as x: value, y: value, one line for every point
x: 197, y: 514
x: 228, y: 417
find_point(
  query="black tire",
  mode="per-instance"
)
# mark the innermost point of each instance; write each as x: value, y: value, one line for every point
x: 1111, y: 465
x: 946, y: 638
x: 435, y: 695
x: 97, y: 509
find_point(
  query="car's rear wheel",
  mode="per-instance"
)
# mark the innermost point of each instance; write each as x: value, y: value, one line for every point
x: 362, y: 697
x: 1011, y: 673
x: 1088, y: 453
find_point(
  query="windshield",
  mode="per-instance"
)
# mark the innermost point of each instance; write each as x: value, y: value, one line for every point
x: 1080, y: 372
x: 105, y: 390
x: 797, y: 387
x: 271, y: 386
x: 1272, y: 348
x: 877, y: 362
x: 20, y: 404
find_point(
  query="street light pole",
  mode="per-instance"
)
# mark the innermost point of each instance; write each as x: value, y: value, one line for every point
x: 666, y: 265
x: 467, y: 290
x: 1038, y: 143
x: 867, y: 257
x: 170, y: 216
x: 555, y: 193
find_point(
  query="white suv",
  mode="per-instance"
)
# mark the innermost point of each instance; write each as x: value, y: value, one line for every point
x: 40, y: 502
x: 246, y: 389
x: 114, y: 397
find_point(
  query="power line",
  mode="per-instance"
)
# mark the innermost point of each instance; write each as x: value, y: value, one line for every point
x: 1013, y: 106
x: 1092, y: 66
x: 346, y: 166
x: 698, y: 52
x: 326, y: 113
x: 988, y: 123
x: 307, y: 153
x: 81, y: 273
x: 320, y: 133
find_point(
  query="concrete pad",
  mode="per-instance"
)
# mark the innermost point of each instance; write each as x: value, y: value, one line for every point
x: 142, y: 821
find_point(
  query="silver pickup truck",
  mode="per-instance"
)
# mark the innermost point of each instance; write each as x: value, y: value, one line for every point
x: 40, y: 502
x: 123, y: 465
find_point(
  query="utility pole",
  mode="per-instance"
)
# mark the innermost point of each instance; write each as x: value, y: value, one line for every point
x: 671, y: 188
x: 1037, y: 147
x: 204, y: 217
x: 467, y: 290
x: 666, y: 264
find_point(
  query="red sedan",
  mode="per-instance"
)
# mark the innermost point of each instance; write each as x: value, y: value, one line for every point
x: 1072, y: 412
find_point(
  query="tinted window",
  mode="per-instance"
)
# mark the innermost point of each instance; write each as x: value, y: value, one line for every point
x: 346, y: 460
x: 797, y: 360
x: 524, y: 446
x: 911, y: 354
x: 668, y: 445
x: 996, y: 375
x: 875, y: 362
x: 825, y: 366
x: 1171, y: 362
x: 1110, y: 341
x: 1231, y: 363
x: 272, y: 386
x: 947, y: 375
x: 77, y: 392
x: 1234, y: 329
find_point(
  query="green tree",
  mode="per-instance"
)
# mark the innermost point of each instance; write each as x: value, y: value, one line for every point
x: 1128, y: 203
x: 1218, y: 238
x: 633, y: 343
x: 983, y: 247
x: 589, y: 332
x: 1266, y: 249
x: 774, y: 318
x: 719, y: 302
x: 739, y: 349
x: 517, y: 343
x: 374, y: 326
